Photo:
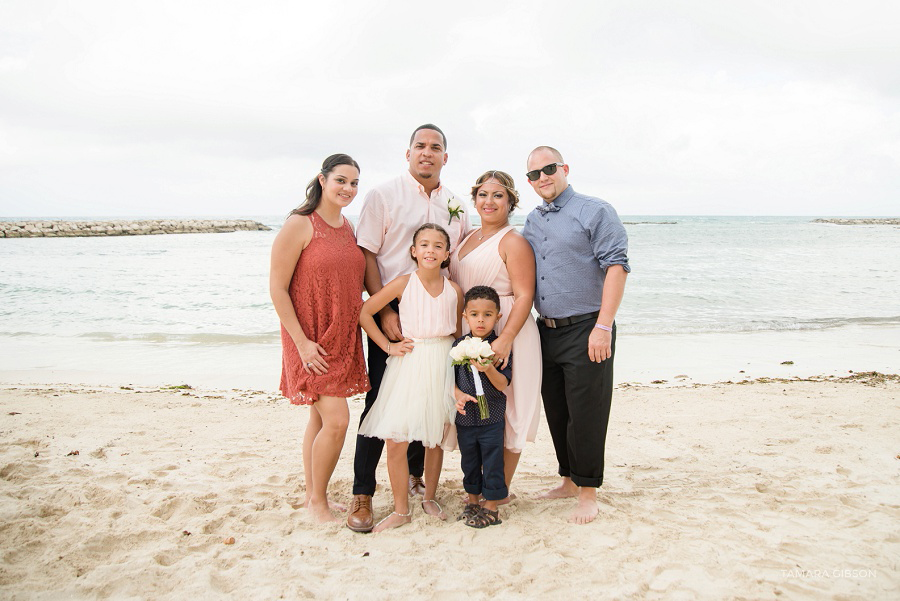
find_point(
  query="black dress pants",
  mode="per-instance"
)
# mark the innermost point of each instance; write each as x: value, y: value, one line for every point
x: 368, y: 450
x: 577, y: 396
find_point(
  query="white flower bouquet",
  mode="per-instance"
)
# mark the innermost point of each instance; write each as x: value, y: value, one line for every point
x: 475, y: 349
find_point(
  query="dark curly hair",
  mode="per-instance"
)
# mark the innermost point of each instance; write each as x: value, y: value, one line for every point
x: 484, y: 292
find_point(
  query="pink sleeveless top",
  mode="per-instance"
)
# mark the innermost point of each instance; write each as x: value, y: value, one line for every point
x: 425, y: 316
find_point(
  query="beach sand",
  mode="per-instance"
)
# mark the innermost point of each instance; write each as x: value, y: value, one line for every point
x: 763, y: 490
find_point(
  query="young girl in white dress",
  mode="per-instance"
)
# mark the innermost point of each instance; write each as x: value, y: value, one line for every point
x: 415, y: 400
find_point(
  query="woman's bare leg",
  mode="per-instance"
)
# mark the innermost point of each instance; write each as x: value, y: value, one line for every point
x: 313, y: 425
x: 326, y: 449
x: 510, y: 463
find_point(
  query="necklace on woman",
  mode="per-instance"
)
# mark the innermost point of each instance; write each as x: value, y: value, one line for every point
x: 482, y: 236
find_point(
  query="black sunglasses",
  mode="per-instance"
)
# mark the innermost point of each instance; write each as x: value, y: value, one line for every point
x: 550, y: 169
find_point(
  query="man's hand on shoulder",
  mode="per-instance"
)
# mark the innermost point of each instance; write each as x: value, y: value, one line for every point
x: 599, y: 345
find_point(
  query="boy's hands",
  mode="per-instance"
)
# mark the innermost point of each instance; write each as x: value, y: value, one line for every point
x: 480, y: 366
x: 461, y: 399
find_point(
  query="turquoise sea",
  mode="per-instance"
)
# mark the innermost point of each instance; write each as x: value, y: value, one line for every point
x: 196, y: 306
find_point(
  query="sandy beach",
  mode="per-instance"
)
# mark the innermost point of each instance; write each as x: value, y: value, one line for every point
x: 762, y: 490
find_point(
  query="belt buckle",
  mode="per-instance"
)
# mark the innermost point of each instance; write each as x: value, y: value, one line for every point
x: 550, y: 322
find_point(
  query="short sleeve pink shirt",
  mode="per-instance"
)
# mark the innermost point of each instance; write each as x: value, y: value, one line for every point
x: 391, y: 214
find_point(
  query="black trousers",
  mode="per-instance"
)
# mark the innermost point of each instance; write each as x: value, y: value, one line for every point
x: 577, y: 396
x: 368, y: 450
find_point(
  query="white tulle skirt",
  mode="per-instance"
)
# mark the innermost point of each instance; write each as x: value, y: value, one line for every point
x: 415, y: 400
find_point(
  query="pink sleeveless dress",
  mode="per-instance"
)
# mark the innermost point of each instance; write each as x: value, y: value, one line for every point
x: 326, y: 291
x: 484, y: 267
x: 415, y: 400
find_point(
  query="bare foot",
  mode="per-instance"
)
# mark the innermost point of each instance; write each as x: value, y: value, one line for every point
x: 321, y: 513
x: 332, y: 505
x: 394, y: 520
x: 335, y: 506
x: 505, y: 501
x: 585, y: 511
x: 565, y: 490
x: 431, y: 507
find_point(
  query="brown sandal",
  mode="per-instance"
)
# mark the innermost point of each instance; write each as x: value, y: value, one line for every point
x: 484, y: 518
x: 469, y: 512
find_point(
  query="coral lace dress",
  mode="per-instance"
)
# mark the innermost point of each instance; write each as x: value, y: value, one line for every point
x: 326, y: 291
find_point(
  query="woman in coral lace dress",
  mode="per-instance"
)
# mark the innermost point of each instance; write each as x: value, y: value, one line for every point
x: 316, y: 283
x: 497, y: 255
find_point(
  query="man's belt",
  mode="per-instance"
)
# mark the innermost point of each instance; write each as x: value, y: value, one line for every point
x: 567, y: 321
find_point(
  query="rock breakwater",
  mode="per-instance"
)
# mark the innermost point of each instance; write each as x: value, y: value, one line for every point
x: 862, y: 221
x: 145, y: 227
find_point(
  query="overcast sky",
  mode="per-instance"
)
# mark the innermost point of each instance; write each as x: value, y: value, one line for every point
x: 228, y: 107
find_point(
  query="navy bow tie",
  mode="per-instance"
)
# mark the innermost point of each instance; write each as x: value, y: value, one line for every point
x: 545, y: 208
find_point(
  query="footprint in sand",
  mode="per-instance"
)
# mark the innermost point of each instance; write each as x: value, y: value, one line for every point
x: 164, y: 470
x: 167, y: 559
x: 220, y: 583
x: 168, y: 508
x: 213, y: 526
x: 783, y: 441
x: 849, y: 501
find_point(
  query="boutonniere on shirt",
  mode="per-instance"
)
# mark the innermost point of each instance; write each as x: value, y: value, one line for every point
x: 454, y: 208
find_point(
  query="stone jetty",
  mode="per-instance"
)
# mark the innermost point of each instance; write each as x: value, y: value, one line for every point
x: 861, y: 221
x: 148, y: 227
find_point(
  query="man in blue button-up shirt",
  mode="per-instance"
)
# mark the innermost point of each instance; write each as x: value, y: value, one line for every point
x: 581, y: 253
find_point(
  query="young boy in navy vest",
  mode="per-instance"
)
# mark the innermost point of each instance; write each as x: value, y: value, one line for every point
x: 481, y: 440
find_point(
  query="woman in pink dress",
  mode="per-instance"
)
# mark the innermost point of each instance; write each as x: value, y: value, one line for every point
x: 497, y: 255
x: 316, y: 284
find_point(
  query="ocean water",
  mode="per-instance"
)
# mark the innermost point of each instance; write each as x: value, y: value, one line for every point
x: 196, y: 306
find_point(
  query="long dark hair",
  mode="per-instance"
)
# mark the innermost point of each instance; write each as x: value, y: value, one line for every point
x: 314, y: 188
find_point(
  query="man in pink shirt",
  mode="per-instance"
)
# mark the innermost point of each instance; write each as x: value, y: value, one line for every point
x: 391, y: 213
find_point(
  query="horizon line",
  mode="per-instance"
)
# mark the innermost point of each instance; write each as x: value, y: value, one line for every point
x: 90, y: 217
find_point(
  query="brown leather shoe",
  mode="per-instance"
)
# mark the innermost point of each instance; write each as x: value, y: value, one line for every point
x: 416, y: 486
x: 360, y: 518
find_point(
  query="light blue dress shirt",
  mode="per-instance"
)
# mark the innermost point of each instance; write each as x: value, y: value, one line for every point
x: 575, y: 238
